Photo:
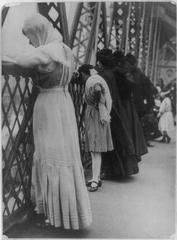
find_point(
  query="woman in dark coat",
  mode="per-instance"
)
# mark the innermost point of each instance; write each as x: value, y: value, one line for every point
x: 125, y: 82
x: 123, y: 161
x: 142, y: 97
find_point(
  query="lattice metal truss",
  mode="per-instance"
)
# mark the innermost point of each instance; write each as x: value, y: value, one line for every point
x: 77, y: 91
x: 17, y: 143
x: 118, y: 25
x: 131, y: 30
x: 56, y: 14
x: 81, y: 30
x: 134, y: 29
x: 102, y: 36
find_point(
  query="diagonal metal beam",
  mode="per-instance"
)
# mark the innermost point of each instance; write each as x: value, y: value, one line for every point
x: 63, y: 22
x: 4, y: 14
x: 127, y: 40
x: 92, y: 35
x: 105, y: 35
x: 149, y: 39
x: 111, y: 22
x: 154, y: 48
x: 75, y: 24
x: 96, y: 40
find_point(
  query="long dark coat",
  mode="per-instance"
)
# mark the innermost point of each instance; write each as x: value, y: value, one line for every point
x: 123, y: 160
x: 131, y: 120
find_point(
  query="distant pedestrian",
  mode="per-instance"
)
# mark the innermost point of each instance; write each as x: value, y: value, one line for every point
x: 166, y: 122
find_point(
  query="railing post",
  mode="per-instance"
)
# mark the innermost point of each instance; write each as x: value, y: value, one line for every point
x: 157, y: 55
x: 4, y: 14
x: 92, y: 34
x: 140, y: 50
x: 75, y: 24
x: 127, y: 40
x: 155, y: 44
x: 147, y: 70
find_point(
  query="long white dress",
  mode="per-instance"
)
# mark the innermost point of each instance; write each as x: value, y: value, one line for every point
x: 58, y: 183
x: 166, y: 122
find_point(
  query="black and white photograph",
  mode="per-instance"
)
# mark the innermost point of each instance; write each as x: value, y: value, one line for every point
x: 88, y: 119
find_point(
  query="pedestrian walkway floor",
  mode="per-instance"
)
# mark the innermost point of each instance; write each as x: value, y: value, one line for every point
x: 142, y: 206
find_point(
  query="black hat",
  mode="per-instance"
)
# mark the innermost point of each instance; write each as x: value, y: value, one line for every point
x: 85, y: 68
x: 77, y: 77
x: 118, y: 54
x: 118, y: 57
x: 131, y: 59
x: 105, y: 56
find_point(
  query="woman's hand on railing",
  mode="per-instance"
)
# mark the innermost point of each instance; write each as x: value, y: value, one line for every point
x: 8, y: 59
x: 11, y: 68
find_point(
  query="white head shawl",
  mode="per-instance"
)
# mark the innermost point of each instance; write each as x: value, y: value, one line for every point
x: 41, y: 29
x: 47, y: 39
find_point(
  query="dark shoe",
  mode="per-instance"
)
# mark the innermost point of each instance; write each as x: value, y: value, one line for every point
x: 149, y: 145
x: 168, y: 139
x: 88, y: 184
x: 156, y: 135
x: 43, y: 224
x: 93, y: 189
x: 107, y: 176
x: 162, y: 140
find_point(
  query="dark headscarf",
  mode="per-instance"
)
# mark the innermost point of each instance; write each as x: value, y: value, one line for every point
x: 85, y: 68
x: 105, y: 56
x: 118, y: 57
x: 119, y: 61
x: 131, y: 59
x: 77, y: 77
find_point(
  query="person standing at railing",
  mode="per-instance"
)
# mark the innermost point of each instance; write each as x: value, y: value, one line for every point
x: 97, y: 120
x: 122, y: 161
x: 165, y: 116
x: 142, y: 97
x: 125, y: 84
x: 59, y: 190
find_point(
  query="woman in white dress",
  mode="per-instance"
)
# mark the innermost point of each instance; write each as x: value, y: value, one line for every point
x: 58, y: 184
x: 166, y: 123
